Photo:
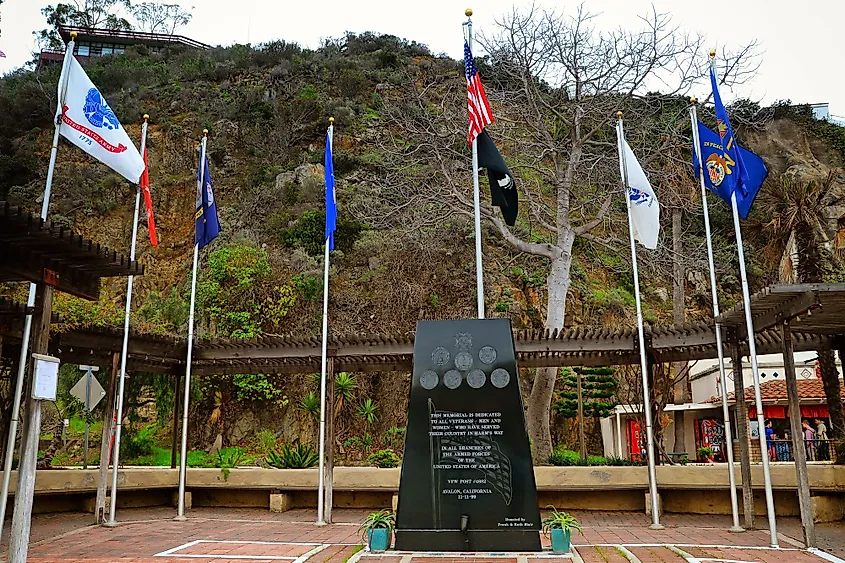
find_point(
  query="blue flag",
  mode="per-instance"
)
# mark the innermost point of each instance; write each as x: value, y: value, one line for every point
x: 718, y: 167
x: 731, y: 173
x: 207, y: 226
x: 331, y: 201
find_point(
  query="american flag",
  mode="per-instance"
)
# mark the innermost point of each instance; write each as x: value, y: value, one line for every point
x: 479, y: 108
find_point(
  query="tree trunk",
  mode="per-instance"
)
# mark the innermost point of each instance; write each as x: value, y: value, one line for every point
x: 830, y: 380
x: 681, y: 388
x: 540, y: 402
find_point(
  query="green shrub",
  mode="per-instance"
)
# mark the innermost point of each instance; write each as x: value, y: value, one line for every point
x: 301, y: 456
x: 228, y: 459
x: 384, y: 458
x: 596, y: 460
x: 266, y: 441
x: 394, y: 434
x: 622, y: 461
x: 563, y: 457
x: 137, y: 445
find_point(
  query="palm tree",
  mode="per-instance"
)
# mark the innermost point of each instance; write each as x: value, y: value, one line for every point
x: 801, y: 213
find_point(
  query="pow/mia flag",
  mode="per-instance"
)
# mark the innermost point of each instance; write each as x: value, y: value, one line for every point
x: 502, y: 185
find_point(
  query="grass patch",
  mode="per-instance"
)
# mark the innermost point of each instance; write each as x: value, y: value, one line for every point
x: 355, y: 550
x: 161, y: 458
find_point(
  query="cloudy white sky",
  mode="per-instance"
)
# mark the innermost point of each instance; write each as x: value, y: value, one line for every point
x: 802, y: 42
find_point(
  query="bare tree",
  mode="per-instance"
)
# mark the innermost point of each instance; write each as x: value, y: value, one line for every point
x: 555, y: 83
x: 161, y: 18
x: 102, y: 14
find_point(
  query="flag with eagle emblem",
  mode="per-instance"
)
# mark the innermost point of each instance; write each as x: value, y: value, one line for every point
x: 89, y: 123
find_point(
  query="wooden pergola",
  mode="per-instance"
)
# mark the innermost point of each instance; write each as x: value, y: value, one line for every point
x: 811, y: 310
x: 53, y: 258
x: 274, y: 354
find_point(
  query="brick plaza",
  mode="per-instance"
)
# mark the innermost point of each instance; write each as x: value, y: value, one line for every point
x: 216, y: 535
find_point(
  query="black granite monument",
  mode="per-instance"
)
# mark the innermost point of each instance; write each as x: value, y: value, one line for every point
x: 467, y: 478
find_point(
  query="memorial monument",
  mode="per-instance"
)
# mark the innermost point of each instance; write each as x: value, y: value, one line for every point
x: 467, y: 477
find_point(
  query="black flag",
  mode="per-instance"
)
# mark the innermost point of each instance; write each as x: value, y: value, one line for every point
x: 502, y: 185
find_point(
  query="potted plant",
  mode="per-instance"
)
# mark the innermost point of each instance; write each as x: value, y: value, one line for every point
x: 377, y: 530
x: 705, y: 454
x: 559, y: 526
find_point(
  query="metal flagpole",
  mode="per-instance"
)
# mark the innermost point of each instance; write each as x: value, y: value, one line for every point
x: 752, y: 352
x: 30, y: 302
x: 476, y: 197
x: 321, y: 487
x: 183, y: 461
x: 725, y: 413
x: 755, y: 370
x: 111, y: 522
x: 652, y: 475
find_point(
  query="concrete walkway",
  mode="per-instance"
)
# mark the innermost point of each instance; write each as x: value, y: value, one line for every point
x: 215, y: 535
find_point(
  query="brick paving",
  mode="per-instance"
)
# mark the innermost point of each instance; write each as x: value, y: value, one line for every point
x: 215, y: 535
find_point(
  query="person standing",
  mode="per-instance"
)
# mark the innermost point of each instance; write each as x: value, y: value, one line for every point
x: 822, y: 444
x: 770, y: 440
x: 809, y: 441
x: 782, y: 448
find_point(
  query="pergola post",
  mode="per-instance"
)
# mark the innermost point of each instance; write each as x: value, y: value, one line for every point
x: 800, y: 454
x: 105, y: 443
x: 742, y: 433
x: 177, y: 408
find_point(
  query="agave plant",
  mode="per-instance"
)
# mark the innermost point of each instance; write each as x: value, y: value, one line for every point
x: 300, y: 456
x: 560, y: 521
x: 383, y: 519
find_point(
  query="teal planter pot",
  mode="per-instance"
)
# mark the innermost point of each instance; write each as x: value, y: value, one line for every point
x: 561, y: 540
x: 379, y: 539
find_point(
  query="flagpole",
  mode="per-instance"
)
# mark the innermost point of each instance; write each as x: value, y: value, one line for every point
x: 724, y: 386
x: 323, y: 361
x: 111, y: 523
x: 652, y: 474
x: 476, y: 197
x: 23, y: 360
x: 752, y: 352
x: 183, y: 461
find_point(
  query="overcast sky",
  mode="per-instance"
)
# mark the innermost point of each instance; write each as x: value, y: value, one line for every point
x: 802, y: 42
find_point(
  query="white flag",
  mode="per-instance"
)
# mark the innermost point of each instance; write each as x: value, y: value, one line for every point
x: 645, y: 211
x: 89, y: 123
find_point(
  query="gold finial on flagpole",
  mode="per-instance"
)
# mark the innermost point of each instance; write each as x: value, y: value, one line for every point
x: 712, y: 53
x: 468, y: 12
x: 73, y: 36
x: 331, y: 121
x: 618, y: 115
x: 692, y: 100
x: 146, y: 117
x: 205, y: 132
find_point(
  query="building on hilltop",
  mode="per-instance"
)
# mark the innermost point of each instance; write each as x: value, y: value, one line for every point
x: 94, y: 42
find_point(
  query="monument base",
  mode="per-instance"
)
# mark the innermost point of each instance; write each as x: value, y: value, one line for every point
x: 473, y: 540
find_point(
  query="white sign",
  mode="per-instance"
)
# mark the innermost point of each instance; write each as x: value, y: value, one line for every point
x: 46, y: 380
x: 95, y: 392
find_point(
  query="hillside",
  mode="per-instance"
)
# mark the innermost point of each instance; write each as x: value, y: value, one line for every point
x: 267, y: 109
